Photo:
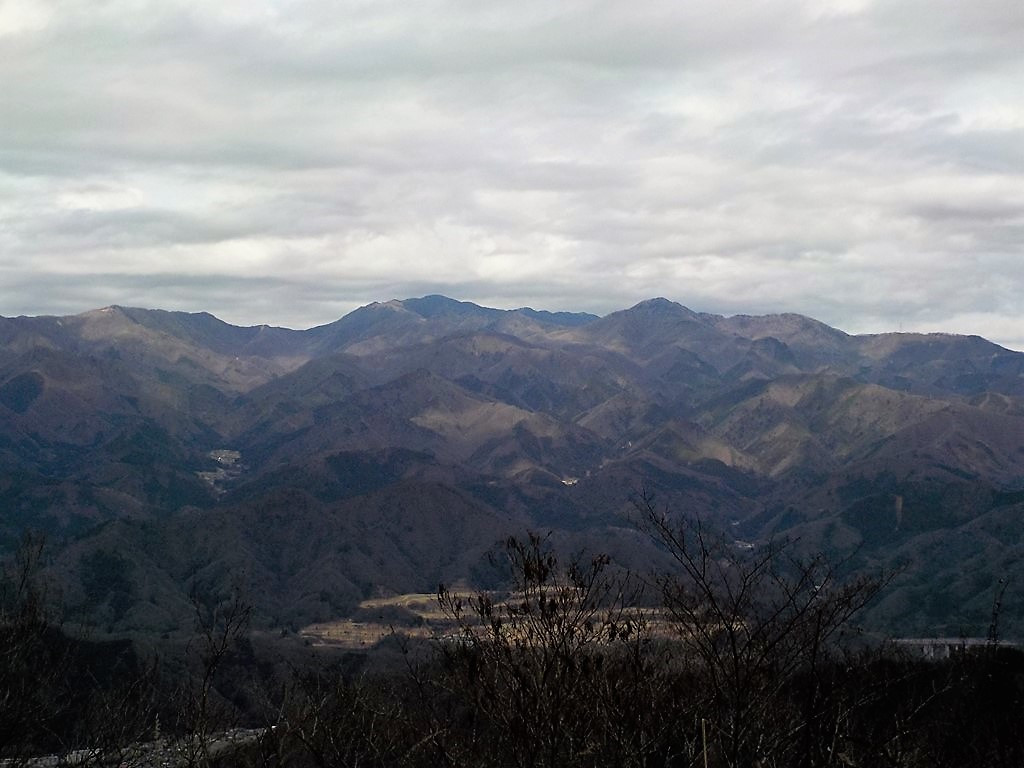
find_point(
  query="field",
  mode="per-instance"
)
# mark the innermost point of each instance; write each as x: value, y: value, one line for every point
x: 418, y: 615
x: 415, y: 615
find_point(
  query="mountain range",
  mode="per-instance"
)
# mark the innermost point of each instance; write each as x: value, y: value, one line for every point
x: 163, y: 452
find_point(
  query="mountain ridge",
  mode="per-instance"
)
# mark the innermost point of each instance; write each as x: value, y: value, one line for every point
x: 436, y: 305
x: 870, y: 447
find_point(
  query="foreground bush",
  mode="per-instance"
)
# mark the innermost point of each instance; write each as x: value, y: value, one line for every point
x: 733, y: 660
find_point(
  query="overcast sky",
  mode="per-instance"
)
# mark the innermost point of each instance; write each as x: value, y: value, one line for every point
x: 283, y: 162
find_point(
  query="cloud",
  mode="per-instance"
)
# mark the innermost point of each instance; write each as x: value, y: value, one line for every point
x: 285, y: 161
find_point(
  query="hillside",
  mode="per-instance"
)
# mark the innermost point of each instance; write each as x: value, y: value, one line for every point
x: 391, y: 449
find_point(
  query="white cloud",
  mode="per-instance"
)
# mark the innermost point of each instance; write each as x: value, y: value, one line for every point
x: 858, y: 161
x: 18, y: 17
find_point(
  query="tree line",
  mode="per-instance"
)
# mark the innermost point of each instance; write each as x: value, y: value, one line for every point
x: 732, y: 658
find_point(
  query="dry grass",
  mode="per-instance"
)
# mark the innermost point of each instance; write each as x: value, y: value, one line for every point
x: 350, y: 634
x: 357, y: 635
x: 431, y: 622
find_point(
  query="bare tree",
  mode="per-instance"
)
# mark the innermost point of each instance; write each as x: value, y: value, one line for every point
x: 34, y: 657
x: 759, y: 624
x: 556, y: 670
x: 332, y: 722
x: 219, y: 625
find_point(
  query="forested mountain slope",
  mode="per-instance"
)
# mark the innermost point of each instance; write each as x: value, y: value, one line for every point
x: 393, y: 447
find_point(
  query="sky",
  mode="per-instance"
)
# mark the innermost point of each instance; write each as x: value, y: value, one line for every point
x: 284, y: 162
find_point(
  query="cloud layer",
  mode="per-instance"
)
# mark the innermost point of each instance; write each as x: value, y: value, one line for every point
x: 283, y: 162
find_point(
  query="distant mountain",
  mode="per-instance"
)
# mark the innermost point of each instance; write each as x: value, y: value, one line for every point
x: 393, y: 447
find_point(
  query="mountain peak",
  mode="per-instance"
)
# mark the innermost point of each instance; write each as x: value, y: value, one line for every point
x: 657, y: 310
x: 435, y: 305
x: 113, y: 309
x: 662, y: 305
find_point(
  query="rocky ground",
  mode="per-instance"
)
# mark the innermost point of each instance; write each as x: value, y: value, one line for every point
x: 160, y: 753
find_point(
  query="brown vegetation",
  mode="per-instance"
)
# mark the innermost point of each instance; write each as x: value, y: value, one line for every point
x: 742, y: 667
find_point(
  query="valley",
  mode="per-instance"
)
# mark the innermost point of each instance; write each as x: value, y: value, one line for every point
x: 163, y: 453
